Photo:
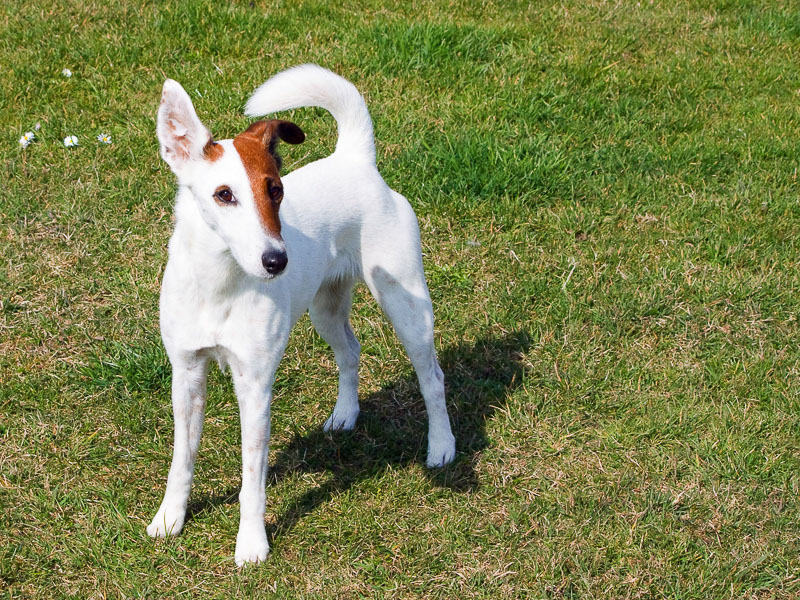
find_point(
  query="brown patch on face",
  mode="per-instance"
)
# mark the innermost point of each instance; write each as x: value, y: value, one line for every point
x: 253, y: 146
x: 212, y: 150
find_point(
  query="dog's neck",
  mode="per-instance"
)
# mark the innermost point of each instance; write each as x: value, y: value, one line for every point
x: 204, y: 255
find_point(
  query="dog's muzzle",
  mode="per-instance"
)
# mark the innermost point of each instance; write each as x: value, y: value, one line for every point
x: 274, y: 261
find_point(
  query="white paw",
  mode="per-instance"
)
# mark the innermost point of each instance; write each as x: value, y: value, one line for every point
x: 166, y: 522
x: 341, y: 420
x: 251, y: 546
x: 441, y: 451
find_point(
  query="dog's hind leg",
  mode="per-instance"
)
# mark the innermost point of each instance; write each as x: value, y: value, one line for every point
x: 330, y: 314
x: 399, y: 286
x: 188, y: 407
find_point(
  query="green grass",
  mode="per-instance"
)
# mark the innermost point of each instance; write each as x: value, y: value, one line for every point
x: 607, y: 194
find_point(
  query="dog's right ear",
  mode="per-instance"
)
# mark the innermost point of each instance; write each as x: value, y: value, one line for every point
x: 181, y: 134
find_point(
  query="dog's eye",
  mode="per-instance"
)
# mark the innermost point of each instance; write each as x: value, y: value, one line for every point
x: 224, y: 195
x: 275, y: 192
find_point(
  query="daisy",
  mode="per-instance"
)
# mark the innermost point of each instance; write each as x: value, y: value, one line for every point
x: 26, y: 139
x: 70, y: 141
x: 104, y: 137
x: 66, y: 73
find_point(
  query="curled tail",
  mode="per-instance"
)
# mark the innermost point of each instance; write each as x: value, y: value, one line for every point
x: 311, y: 85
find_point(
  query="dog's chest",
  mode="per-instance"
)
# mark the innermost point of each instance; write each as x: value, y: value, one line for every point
x: 196, y: 319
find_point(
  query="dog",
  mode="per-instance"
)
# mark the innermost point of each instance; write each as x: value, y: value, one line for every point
x: 241, y: 273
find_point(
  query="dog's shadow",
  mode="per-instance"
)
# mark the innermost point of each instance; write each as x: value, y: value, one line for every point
x: 392, y: 430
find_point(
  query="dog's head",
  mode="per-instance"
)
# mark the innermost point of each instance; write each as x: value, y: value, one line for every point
x: 236, y: 183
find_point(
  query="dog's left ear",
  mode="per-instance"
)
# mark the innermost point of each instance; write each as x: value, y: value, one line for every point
x: 181, y: 134
x: 285, y: 130
x: 273, y: 131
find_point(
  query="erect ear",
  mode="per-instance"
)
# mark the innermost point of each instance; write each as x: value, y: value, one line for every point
x: 182, y: 135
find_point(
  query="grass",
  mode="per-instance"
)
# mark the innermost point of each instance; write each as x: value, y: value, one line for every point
x: 607, y: 194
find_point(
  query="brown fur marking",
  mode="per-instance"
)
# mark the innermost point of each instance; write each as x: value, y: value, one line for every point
x: 253, y: 146
x: 212, y: 150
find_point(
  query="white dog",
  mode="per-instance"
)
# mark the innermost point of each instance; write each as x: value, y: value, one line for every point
x: 239, y: 277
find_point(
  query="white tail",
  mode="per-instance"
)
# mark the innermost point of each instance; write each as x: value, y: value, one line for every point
x: 311, y: 85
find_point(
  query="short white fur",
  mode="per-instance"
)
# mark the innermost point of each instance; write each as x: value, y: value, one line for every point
x: 341, y: 223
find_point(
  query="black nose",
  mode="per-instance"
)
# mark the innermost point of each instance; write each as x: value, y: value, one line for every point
x: 274, y: 261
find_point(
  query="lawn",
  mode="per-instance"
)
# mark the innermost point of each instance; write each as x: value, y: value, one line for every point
x: 607, y: 195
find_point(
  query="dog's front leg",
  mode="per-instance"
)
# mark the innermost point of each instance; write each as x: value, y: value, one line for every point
x: 188, y: 407
x: 254, y: 393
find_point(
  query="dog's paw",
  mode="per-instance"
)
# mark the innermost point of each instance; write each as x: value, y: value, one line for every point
x: 341, y: 420
x: 251, y: 546
x: 441, y: 451
x: 166, y: 522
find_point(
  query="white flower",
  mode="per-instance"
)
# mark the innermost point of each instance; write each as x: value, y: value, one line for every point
x: 26, y: 139
x: 104, y: 137
x: 66, y: 73
x: 38, y: 126
x: 70, y: 141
